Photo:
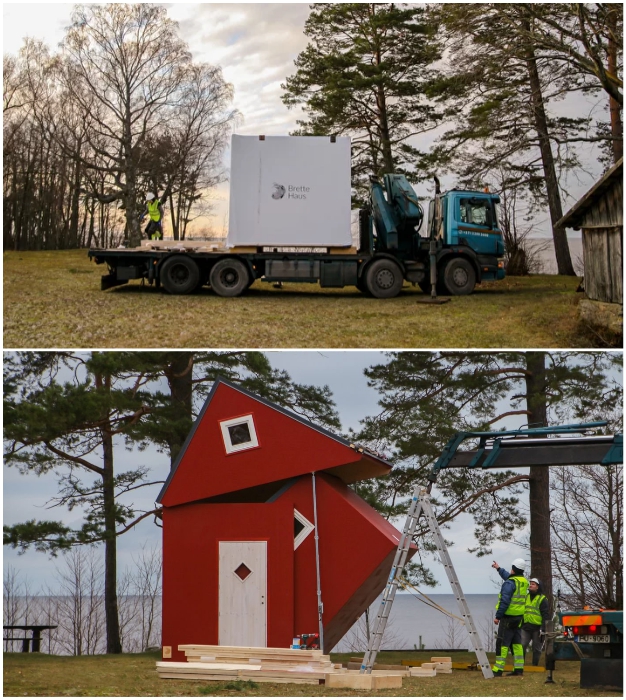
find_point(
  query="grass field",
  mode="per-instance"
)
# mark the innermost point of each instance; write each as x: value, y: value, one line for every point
x: 53, y: 299
x: 134, y: 675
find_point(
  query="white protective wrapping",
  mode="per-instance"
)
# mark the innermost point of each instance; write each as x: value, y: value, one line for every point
x: 289, y: 191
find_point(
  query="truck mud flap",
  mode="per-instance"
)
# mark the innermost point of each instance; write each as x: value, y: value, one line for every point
x: 108, y: 281
x: 602, y: 673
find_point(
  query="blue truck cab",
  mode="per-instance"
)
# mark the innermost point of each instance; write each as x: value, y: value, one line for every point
x: 471, y: 219
x: 462, y: 224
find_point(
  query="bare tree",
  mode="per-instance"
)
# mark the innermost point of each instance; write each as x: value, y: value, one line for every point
x: 588, y: 534
x: 455, y: 635
x: 488, y: 631
x: 80, y: 607
x: 357, y: 638
x: 147, y: 584
x: 16, y: 602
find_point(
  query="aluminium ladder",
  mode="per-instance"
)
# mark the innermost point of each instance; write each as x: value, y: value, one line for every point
x: 421, y: 503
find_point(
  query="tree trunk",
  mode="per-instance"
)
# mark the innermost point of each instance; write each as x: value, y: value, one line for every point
x: 561, y: 246
x: 539, y: 484
x: 383, y: 123
x: 114, y: 644
x: 614, y: 108
x: 179, y: 377
x: 72, y: 241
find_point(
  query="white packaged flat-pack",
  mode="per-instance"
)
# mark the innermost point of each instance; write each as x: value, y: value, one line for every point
x: 289, y: 191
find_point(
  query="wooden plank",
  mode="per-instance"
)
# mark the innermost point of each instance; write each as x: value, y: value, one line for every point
x: 362, y: 681
x: 258, y: 652
x: 211, y: 677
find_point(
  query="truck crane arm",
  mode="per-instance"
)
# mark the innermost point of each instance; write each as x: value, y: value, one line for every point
x: 529, y: 447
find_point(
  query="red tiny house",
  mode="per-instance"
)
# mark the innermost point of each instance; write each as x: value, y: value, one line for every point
x: 243, y: 478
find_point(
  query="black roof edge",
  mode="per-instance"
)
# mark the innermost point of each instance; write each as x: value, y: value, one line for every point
x: 586, y: 200
x: 294, y: 416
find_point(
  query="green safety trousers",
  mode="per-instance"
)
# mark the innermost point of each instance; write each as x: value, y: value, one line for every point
x: 509, y: 637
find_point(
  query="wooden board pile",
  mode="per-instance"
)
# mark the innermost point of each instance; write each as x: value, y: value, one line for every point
x: 269, y: 665
x: 437, y: 664
x: 248, y: 663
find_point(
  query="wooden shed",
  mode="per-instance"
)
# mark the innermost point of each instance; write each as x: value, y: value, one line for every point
x: 599, y: 214
x: 239, y: 511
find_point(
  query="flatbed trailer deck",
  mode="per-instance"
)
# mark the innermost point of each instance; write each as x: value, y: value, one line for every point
x: 182, y: 268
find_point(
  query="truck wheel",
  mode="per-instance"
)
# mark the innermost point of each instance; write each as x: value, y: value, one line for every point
x: 459, y: 277
x: 384, y: 279
x: 179, y: 274
x: 229, y: 278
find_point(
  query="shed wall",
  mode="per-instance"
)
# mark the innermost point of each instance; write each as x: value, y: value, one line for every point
x: 602, y: 252
x: 602, y: 226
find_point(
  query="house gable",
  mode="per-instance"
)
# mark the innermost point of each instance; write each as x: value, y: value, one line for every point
x: 241, y: 441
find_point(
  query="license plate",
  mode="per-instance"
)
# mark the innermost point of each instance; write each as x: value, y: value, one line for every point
x: 603, y: 638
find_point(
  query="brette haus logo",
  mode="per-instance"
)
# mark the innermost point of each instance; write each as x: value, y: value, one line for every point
x: 279, y: 191
x: 292, y: 191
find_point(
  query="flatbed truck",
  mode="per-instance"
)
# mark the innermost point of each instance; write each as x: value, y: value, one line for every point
x: 462, y: 247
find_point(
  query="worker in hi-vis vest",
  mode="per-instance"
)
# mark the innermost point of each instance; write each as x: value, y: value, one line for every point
x: 154, y: 210
x: 536, y: 615
x: 509, y: 617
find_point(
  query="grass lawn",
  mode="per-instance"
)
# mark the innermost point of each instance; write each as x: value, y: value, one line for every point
x: 134, y: 675
x: 53, y: 299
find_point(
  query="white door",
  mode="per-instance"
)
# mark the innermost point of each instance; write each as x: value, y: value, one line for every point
x: 243, y: 594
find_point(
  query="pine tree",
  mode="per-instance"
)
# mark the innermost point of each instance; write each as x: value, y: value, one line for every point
x: 67, y: 413
x: 499, y: 91
x: 363, y: 75
x: 427, y: 397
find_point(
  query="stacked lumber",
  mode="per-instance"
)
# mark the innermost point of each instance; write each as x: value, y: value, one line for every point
x: 271, y: 665
x: 265, y: 664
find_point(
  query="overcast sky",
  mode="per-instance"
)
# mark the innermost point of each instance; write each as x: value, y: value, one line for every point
x: 25, y: 497
x: 256, y: 45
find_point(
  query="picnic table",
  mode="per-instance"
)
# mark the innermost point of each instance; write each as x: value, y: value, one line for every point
x: 26, y: 641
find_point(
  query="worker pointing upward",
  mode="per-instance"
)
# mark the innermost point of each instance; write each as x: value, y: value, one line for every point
x: 509, y: 617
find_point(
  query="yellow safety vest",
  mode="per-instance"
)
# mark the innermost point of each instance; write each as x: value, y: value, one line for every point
x: 153, y: 209
x: 517, y: 606
x: 532, y: 613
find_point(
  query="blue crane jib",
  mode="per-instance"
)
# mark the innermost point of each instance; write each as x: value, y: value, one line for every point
x: 544, y: 446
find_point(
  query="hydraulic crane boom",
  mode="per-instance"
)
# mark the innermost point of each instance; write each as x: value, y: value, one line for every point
x: 529, y: 447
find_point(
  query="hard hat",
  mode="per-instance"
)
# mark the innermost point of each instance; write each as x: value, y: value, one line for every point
x: 534, y: 580
x: 149, y: 196
x: 519, y: 564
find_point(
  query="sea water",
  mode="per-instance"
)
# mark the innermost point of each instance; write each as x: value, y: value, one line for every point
x: 413, y: 622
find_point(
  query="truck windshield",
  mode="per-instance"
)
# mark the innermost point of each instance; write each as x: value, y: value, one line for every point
x: 473, y: 212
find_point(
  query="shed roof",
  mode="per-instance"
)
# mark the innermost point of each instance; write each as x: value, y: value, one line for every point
x: 289, y: 446
x: 573, y: 218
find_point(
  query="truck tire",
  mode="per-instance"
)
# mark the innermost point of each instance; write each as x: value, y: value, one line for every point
x: 384, y: 279
x: 179, y: 274
x: 229, y: 278
x: 459, y: 277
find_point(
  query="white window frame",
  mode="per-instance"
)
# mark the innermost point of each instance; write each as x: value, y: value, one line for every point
x: 303, y: 534
x: 254, y: 440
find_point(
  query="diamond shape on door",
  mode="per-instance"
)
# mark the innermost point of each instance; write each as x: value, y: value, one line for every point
x: 243, y: 571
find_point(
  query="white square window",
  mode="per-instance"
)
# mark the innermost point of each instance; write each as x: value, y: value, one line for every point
x: 239, y: 434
